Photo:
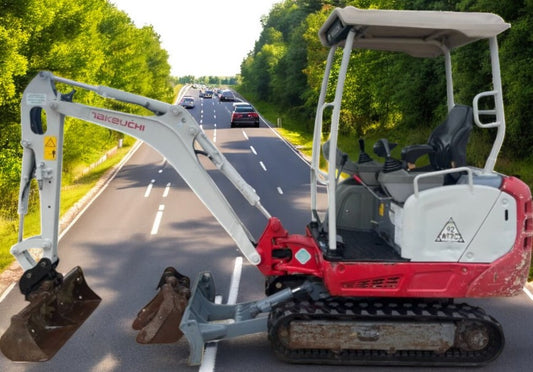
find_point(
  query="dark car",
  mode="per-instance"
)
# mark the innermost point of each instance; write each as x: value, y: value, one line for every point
x: 227, y: 95
x: 244, y: 114
x: 208, y: 94
x: 187, y: 102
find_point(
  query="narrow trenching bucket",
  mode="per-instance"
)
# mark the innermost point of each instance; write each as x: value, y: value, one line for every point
x: 54, y: 313
x: 158, y: 322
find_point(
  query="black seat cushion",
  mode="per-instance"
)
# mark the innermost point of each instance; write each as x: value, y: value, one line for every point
x: 449, y: 139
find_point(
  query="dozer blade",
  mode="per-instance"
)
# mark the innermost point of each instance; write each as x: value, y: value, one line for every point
x: 159, y: 321
x: 56, y: 310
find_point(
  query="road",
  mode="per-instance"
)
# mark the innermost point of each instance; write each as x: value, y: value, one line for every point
x: 123, y: 249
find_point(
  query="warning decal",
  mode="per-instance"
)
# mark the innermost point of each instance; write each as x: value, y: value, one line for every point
x: 50, y: 147
x: 450, y: 233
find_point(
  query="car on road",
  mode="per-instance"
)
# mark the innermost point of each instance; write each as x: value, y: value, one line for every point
x: 227, y: 95
x: 187, y: 102
x: 208, y: 94
x: 244, y: 114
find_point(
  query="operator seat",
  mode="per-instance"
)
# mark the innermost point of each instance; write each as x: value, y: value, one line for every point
x: 446, y: 148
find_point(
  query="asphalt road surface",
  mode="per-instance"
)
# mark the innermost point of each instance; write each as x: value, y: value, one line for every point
x: 147, y: 219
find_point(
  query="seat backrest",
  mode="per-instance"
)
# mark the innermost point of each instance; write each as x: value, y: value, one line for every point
x: 450, y: 138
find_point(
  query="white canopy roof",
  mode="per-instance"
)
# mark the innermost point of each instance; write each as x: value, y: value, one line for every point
x: 419, y: 33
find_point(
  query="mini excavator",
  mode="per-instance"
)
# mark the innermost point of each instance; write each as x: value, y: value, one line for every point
x: 373, y: 281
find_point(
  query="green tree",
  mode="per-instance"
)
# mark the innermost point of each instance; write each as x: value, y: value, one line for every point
x: 88, y: 40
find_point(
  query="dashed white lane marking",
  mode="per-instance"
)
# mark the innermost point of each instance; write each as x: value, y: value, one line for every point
x: 235, y: 281
x: 167, y: 189
x: 149, y: 189
x: 280, y: 191
x: 253, y: 150
x: 245, y: 135
x: 262, y: 166
x: 157, y: 221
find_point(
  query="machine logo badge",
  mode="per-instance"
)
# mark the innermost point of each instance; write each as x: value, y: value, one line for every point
x: 302, y: 256
x: 450, y: 233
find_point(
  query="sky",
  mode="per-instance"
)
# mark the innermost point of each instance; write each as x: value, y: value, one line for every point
x: 202, y: 37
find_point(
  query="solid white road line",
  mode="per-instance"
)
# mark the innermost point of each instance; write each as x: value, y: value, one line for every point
x: 528, y: 293
x: 118, y: 167
x: 6, y: 292
x: 125, y: 159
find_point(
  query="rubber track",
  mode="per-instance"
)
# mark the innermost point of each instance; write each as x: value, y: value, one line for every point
x: 384, y: 310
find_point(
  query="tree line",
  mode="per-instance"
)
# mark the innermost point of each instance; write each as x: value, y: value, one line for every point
x: 207, y: 80
x: 85, y: 40
x: 389, y: 90
x: 94, y: 42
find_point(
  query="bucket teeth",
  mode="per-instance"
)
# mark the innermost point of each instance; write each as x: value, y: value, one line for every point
x: 159, y: 321
x: 56, y: 310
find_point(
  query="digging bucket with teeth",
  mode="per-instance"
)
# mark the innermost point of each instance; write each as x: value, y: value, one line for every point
x: 58, y: 306
x: 158, y: 322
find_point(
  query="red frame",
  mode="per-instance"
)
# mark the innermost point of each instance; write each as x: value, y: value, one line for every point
x: 503, y: 277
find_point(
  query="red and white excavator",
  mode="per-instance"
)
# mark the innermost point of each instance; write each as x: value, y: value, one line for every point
x: 371, y: 282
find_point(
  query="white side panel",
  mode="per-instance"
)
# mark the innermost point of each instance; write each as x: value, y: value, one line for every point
x: 396, y: 217
x: 440, y: 223
x: 497, y: 234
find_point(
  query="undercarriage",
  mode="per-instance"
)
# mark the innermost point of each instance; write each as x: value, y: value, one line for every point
x: 384, y: 332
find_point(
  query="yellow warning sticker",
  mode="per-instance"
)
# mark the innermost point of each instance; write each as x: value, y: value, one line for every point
x: 381, y: 209
x: 50, y: 147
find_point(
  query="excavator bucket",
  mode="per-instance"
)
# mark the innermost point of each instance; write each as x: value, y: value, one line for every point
x: 158, y: 322
x: 56, y: 310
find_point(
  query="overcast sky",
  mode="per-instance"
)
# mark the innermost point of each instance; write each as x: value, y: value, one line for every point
x: 202, y: 37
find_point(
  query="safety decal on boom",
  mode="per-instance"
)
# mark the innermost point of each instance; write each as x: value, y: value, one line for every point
x: 450, y: 233
x: 50, y: 147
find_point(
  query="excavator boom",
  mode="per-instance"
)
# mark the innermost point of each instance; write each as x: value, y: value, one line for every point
x: 173, y: 132
x: 37, y: 332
